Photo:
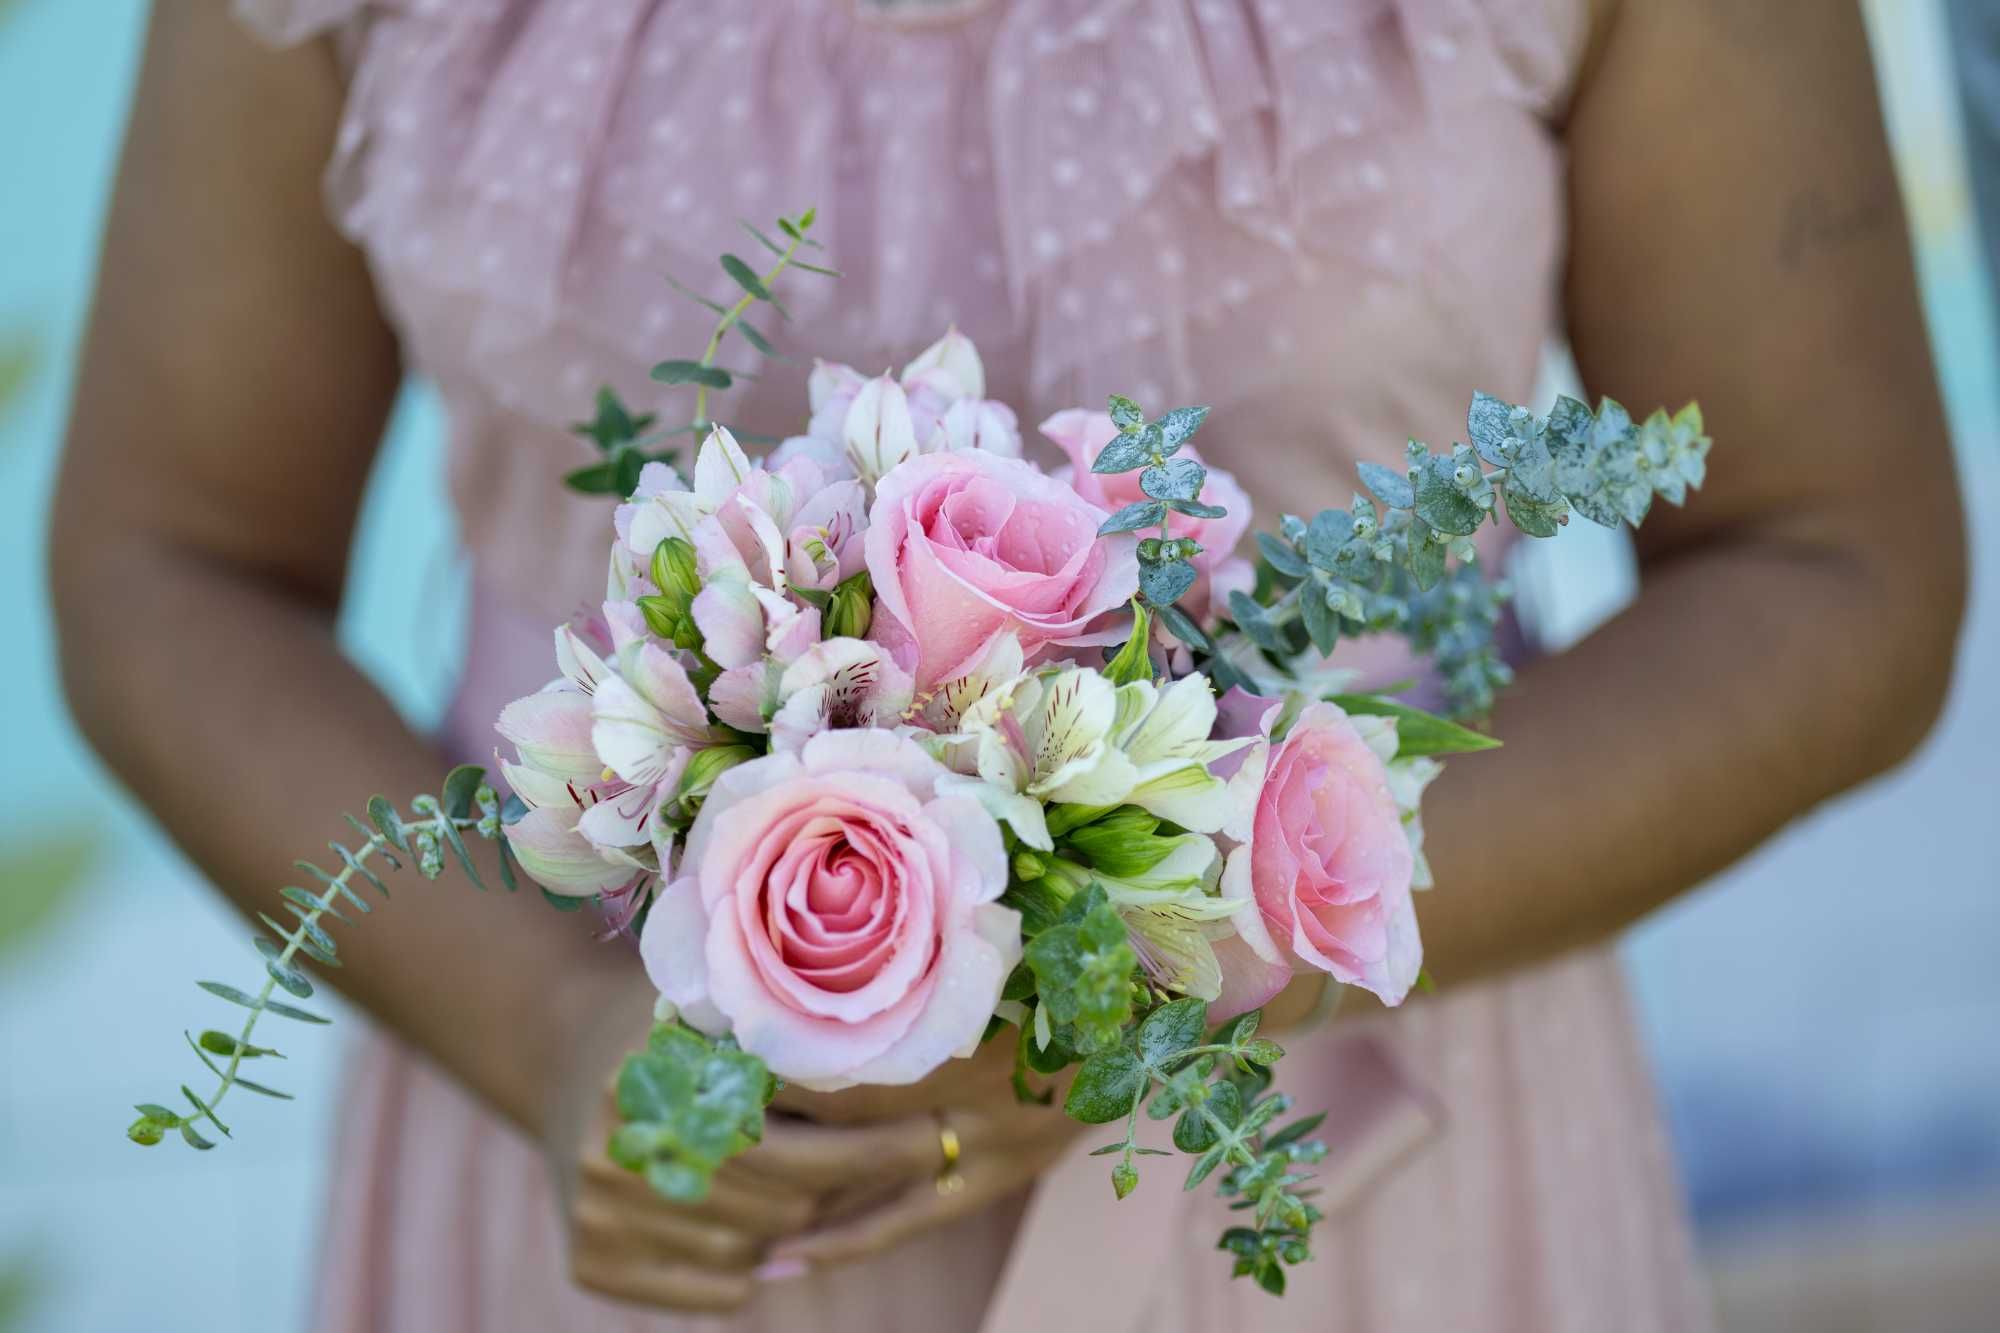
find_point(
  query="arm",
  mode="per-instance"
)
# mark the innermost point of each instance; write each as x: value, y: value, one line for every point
x: 1736, y: 237
x: 233, y: 388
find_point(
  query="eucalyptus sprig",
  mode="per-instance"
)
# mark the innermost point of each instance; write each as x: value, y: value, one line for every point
x: 1171, y: 486
x: 621, y: 435
x: 437, y: 825
x: 1363, y: 570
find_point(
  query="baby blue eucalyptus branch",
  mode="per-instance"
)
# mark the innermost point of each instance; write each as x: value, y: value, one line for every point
x: 437, y: 825
x: 1402, y: 568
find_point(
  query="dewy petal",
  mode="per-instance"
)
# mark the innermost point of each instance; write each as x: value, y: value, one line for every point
x: 720, y: 467
x: 1023, y: 814
x: 972, y: 969
x: 671, y: 948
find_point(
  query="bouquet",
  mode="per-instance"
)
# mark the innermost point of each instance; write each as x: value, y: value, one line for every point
x: 892, y: 743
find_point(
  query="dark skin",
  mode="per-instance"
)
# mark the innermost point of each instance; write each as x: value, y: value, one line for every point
x: 1735, y: 235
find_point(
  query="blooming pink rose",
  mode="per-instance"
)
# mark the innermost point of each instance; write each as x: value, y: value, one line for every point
x: 1082, y: 435
x: 963, y: 545
x: 838, y: 915
x: 1326, y: 860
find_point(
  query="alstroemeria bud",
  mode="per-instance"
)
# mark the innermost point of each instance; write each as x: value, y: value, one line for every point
x: 878, y: 433
x: 851, y: 611
x: 704, y: 767
x: 674, y: 569
x: 1124, y: 842
x: 951, y: 366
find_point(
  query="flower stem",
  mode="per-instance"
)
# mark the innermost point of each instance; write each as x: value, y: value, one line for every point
x: 728, y: 321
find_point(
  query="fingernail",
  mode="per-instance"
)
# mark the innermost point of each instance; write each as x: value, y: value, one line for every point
x: 781, y: 1270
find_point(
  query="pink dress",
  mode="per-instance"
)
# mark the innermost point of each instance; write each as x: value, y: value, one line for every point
x: 1331, y: 219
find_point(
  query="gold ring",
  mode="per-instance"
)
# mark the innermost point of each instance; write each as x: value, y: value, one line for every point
x: 949, y: 1181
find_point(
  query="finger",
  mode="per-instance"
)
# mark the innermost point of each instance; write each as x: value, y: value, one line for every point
x: 669, y: 1286
x: 826, y: 1157
x: 763, y: 1207
x: 920, y: 1207
x: 606, y: 1222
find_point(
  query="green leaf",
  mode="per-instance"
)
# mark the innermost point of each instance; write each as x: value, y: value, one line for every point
x: 1326, y: 535
x: 1487, y: 423
x: 222, y: 1043
x: 1134, y: 661
x: 1196, y: 509
x: 762, y: 239
x: 1427, y: 555
x: 1182, y: 627
x: 1390, y: 487
x: 696, y: 296
x: 1293, y: 1132
x: 236, y: 1081
x: 460, y: 785
x: 1171, y: 1029
x: 1417, y: 732
x: 1178, y: 427
x: 563, y: 902
x: 1532, y: 516
x: 754, y: 338
x: 1139, y: 514
x: 1281, y: 556
x: 1133, y: 449
x: 449, y: 832
x: 691, y: 372
x: 745, y: 277
x: 285, y: 975
x: 383, y: 816
x: 1441, y: 503
x: 194, y: 1140
x: 1125, y: 413
x: 1321, y: 622
x: 313, y: 942
x: 235, y: 996
x: 355, y: 866
x: 1163, y: 583
x: 1254, y: 621
x: 1175, y: 479
x: 1105, y: 1087
x: 1083, y: 967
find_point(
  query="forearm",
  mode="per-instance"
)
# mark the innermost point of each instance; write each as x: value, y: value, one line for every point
x: 226, y: 706
x: 1751, y: 680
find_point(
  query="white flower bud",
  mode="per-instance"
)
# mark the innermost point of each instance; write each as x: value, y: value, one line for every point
x: 951, y: 366
x: 878, y: 433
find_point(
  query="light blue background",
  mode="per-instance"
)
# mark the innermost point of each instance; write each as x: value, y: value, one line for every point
x: 1800, y: 1085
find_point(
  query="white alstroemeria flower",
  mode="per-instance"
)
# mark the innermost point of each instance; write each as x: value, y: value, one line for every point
x: 1164, y: 734
x: 949, y: 367
x: 1046, y: 736
x: 720, y: 466
x: 836, y: 684
x: 979, y: 423
x: 1171, y: 912
x: 878, y: 432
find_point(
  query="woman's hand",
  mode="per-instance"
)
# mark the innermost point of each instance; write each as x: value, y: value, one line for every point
x: 838, y: 1176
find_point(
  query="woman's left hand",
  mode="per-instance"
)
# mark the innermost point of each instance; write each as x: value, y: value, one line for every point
x: 881, y: 1157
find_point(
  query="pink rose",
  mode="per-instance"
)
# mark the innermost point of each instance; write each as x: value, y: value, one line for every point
x: 837, y: 914
x: 1325, y: 858
x: 963, y: 545
x: 1083, y: 434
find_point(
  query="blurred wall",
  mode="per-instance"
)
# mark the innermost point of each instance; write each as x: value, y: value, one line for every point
x: 1814, y: 1107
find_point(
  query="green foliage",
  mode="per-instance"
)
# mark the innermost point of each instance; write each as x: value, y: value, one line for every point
x: 1399, y: 562
x: 1217, y: 1092
x: 465, y: 803
x: 1083, y: 967
x: 687, y: 1104
x: 1417, y: 732
x: 619, y: 436
x: 1171, y: 486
